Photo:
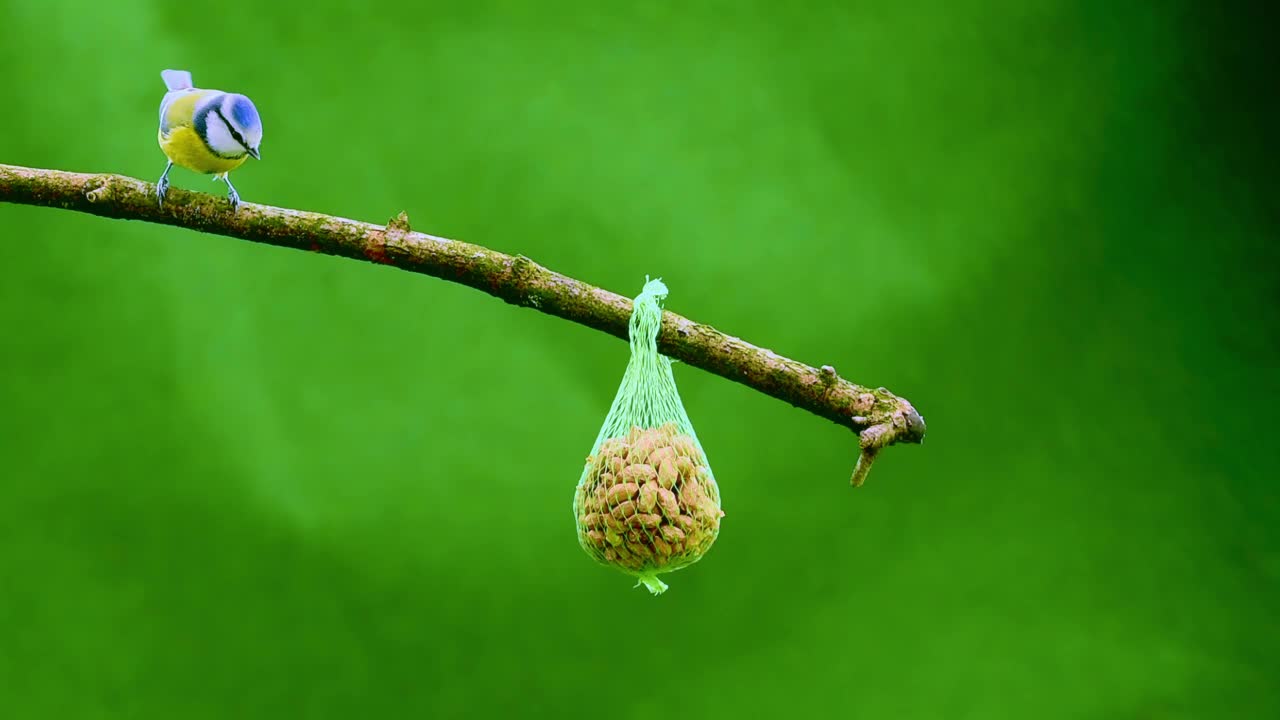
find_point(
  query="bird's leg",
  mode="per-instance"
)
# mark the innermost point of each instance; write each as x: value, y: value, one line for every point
x: 232, y: 195
x: 162, y: 185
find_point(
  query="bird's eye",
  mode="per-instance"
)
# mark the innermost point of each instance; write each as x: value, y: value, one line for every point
x: 232, y: 128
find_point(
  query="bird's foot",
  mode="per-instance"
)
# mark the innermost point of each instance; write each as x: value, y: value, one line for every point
x: 232, y: 196
x: 162, y: 189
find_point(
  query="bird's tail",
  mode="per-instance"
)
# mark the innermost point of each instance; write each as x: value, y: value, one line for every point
x: 177, y: 79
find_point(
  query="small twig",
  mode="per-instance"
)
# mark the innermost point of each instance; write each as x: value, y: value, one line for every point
x: 880, y: 417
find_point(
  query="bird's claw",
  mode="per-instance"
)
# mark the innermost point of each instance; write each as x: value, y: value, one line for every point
x: 232, y: 196
x: 162, y: 189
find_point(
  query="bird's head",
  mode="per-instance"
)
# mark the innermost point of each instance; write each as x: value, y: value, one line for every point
x: 233, y: 127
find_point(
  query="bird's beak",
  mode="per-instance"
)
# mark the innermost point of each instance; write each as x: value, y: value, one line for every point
x: 253, y: 153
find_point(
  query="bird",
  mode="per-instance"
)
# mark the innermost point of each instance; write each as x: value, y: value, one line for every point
x: 206, y: 131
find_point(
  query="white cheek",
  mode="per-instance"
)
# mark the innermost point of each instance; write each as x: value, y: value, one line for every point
x: 219, y: 136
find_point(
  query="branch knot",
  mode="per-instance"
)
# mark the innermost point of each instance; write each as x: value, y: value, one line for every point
x: 523, y: 276
x: 827, y: 374
x: 101, y: 189
x: 393, y: 235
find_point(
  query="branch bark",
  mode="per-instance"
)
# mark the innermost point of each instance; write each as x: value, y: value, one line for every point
x: 878, y: 416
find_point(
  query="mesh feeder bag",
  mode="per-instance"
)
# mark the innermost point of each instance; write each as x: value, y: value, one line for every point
x: 647, y: 502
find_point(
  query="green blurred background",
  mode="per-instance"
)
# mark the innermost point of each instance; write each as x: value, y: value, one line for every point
x: 240, y: 481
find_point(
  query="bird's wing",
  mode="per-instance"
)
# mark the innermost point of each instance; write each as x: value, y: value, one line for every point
x: 179, y: 107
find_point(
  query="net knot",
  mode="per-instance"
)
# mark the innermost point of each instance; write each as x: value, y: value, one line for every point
x: 654, y: 290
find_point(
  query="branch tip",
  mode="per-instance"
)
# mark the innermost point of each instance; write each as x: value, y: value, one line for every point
x: 862, y: 467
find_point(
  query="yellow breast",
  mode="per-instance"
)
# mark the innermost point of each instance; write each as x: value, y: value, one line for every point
x: 184, y: 147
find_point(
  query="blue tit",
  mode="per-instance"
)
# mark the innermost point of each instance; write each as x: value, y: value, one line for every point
x: 207, y: 131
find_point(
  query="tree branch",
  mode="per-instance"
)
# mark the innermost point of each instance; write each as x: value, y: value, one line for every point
x: 877, y: 415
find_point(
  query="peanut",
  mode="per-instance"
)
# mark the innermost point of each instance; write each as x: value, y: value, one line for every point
x: 612, y: 447
x: 639, y: 473
x: 691, y: 492
x: 672, y: 533
x: 640, y: 452
x: 670, y: 507
x: 668, y: 473
x: 648, y: 496
x: 661, y: 547
x: 640, y: 549
x: 684, y: 466
x: 684, y: 445
x: 624, y: 509
x: 644, y: 520
x: 622, y: 491
x: 663, y: 452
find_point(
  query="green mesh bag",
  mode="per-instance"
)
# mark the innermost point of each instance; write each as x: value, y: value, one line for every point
x: 647, y: 502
